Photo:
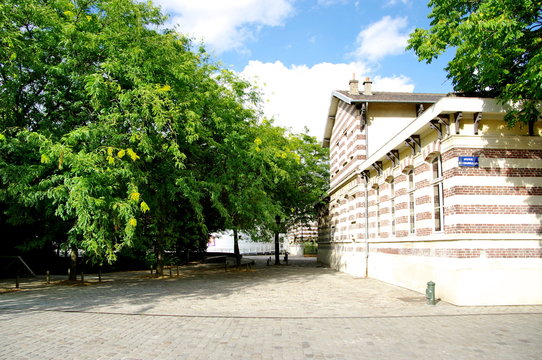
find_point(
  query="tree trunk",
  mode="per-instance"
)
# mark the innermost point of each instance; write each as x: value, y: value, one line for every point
x: 73, y: 263
x: 277, y: 248
x: 277, y: 245
x: 159, y: 258
x: 236, y: 247
x: 159, y: 250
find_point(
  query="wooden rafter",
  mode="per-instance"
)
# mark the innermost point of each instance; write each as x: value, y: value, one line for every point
x: 458, y: 116
x: 419, y: 109
x: 378, y: 167
x: 477, y: 119
x: 412, y: 141
x: 393, y: 156
x: 363, y: 115
x: 436, y: 125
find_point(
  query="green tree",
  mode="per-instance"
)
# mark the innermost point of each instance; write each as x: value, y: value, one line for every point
x: 267, y: 179
x: 116, y: 134
x: 298, y: 177
x: 109, y: 123
x: 497, y: 50
x: 238, y: 183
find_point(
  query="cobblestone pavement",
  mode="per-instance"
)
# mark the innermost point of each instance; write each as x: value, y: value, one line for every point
x: 299, y: 311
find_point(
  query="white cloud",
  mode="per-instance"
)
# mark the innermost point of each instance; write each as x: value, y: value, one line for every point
x: 399, y: 83
x: 299, y: 96
x: 226, y: 25
x: 331, y: 2
x: 395, y: 2
x: 385, y: 37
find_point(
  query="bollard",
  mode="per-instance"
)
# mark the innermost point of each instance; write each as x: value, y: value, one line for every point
x: 82, y: 278
x: 17, y: 282
x: 48, y: 277
x: 151, y: 269
x: 100, y: 274
x: 286, y: 257
x: 430, y: 293
x: 177, y: 270
x: 170, y: 273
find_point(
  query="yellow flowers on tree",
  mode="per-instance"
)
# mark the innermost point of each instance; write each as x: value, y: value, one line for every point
x: 120, y: 134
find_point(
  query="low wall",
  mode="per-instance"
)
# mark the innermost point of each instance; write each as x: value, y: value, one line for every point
x: 465, y: 272
x: 345, y: 257
x: 295, y: 250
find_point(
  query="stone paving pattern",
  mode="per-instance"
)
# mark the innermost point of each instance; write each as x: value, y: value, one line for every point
x: 299, y: 311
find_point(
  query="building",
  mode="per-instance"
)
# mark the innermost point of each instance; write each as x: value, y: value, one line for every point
x: 434, y: 187
x: 223, y: 242
x: 299, y: 235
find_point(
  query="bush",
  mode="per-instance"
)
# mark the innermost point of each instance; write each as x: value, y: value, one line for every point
x: 310, y: 248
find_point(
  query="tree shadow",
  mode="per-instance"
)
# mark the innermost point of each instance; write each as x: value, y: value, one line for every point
x: 197, y: 287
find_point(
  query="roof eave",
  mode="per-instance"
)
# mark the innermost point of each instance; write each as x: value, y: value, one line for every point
x: 330, y: 122
x: 443, y: 106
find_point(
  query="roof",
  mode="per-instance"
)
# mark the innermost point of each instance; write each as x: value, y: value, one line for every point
x: 382, y: 97
x: 446, y: 105
x: 400, y: 97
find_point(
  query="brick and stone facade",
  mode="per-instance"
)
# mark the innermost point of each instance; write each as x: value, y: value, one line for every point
x: 402, y: 208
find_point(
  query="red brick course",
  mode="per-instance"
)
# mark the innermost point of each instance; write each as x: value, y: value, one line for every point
x: 494, y: 229
x: 464, y: 253
x: 494, y: 209
x: 494, y: 153
x: 508, y: 172
x: 493, y: 190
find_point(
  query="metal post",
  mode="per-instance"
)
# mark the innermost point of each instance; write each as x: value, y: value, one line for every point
x: 82, y: 277
x: 100, y: 274
x: 17, y: 282
x: 430, y: 293
x: 48, y: 277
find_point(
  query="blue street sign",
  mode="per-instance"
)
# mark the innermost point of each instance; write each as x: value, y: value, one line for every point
x: 468, y: 161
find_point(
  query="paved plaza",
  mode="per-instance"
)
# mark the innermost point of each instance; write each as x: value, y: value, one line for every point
x: 299, y: 311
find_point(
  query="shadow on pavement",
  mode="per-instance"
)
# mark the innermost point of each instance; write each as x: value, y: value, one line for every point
x: 140, y: 292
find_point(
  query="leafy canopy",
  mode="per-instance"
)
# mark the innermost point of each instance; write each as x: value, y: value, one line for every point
x: 498, y: 47
x: 129, y: 136
x: 109, y: 123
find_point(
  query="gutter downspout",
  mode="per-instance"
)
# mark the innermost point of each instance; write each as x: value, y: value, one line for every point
x: 367, y: 130
x: 366, y: 226
x: 366, y: 191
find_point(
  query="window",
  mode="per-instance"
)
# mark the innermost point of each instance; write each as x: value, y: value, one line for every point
x: 438, y: 194
x: 412, y: 214
x: 377, y: 194
x: 392, y: 205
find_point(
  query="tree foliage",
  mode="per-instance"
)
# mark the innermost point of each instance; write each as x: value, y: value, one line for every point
x: 299, y: 177
x: 128, y: 135
x: 498, y: 47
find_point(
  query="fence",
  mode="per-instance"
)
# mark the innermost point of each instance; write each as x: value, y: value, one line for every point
x: 249, y: 248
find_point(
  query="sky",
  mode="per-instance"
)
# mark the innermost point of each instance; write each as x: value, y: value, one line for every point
x: 298, y: 51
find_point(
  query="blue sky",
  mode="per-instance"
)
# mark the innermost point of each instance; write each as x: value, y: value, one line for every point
x: 298, y: 51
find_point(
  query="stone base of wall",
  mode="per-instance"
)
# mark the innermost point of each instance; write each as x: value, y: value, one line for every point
x: 348, y: 258
x: 295, y: 250
x: 465, y: 272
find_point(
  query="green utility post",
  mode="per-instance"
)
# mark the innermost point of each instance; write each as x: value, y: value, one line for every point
x: 430, y: 293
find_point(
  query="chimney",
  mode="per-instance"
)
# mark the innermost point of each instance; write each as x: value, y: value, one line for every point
x: 368, y: 86
x: 354, y: 88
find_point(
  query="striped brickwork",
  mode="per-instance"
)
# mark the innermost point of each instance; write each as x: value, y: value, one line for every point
x: 302, y: 232
x: 386, y: 223
x: 347, y: 143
